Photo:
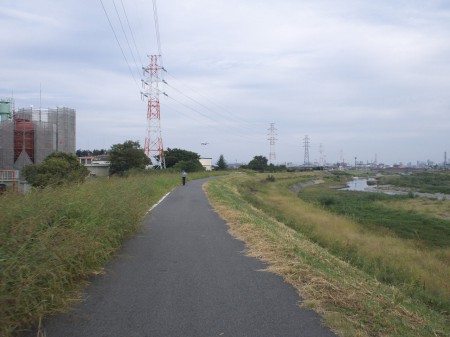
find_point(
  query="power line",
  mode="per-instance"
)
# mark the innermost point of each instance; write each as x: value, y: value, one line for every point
x: 216, y: 122
x: 225, y: 117
x: 126, y: 38
x: 132, y: 35
x: 228, y: 115
x: 219, y: 119
x: 158, y: 38
x: 121, y: 49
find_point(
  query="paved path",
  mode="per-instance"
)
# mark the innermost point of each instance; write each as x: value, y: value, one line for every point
x: 184, y: 275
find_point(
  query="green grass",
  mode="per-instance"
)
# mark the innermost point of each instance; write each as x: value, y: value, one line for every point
x: 352, y: 301
x: 370, y: 209
x: 427, y: 182
x: 53, y: 240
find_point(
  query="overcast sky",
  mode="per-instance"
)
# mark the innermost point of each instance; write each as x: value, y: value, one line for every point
x: 366, y: 79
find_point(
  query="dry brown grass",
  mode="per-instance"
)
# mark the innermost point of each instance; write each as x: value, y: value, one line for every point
x: 419, y: 264
x: 352, y: 303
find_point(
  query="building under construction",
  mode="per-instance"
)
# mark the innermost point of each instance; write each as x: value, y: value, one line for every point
x: 28, y: 136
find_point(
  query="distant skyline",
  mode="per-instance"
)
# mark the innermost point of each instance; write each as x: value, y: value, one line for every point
x: 360, y: 78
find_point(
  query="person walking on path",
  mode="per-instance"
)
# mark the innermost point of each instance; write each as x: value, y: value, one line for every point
x: 183, y: 177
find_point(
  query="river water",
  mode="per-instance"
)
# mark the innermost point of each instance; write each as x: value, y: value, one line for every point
x: 357, y: 184
x: 360, y: 184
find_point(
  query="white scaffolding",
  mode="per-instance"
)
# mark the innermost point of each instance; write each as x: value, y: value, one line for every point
x: 32, y: 134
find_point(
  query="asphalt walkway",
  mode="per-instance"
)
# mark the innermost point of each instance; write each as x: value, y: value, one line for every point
x: 184, y: 275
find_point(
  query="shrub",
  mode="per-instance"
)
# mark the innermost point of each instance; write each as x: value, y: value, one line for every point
x: 327, y: 200
x: 58, y: 168
x: 270, y: 177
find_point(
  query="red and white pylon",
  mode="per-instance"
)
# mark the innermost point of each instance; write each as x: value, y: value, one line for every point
x: 153, y: 147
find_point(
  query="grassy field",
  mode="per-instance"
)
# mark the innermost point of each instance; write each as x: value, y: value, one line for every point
x: 372, y: 209
x: 366, y: 279
x: 427, y: 182
x: 53, y: 240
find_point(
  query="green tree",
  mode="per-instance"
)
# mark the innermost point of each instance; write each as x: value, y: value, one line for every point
x: 82, y: 153
x: 183, y: 160
x: 173, y: 156
x: 57, y: 169
x: 221, y: 163
x: 189, y: 166
x: 258, y: 163
x: 30, y: 173
x: 126, y: 156
x: 85, y: 153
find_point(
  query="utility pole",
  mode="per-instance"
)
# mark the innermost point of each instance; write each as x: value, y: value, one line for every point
x: 272, y: 134
x: 153, y: 143
x: 306, y: 146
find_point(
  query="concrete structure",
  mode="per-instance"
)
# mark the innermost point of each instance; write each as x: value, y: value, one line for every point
x: 10, y: 179
x: 206, y: 163
x: 29, y: 135
x: 98, y: 166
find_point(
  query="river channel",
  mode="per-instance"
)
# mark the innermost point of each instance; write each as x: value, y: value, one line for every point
x: 360, y: 184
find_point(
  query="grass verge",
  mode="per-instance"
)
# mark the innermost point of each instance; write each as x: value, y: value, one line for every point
x: 352, y: 301
x: 53, y: 240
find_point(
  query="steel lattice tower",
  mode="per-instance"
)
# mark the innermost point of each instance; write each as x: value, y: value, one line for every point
x: 322, y: 159
x: 153, y: 143
x: 306, y: 145
x: 272, y: 139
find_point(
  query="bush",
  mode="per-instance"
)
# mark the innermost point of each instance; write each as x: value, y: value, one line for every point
x: 189, y: 166
x: 327, y: 200
x: 58, y: 168
x: 270, y: 177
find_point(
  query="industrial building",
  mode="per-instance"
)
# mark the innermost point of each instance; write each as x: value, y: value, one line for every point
x: 206, y: 163
x: 98, y: 166
x: 28, y: 135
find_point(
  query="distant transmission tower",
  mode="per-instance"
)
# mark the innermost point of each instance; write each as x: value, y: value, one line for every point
x: 341, y: 157
x: 306, y: 146
x: 272, y: 134
x: 322, y: 159
x: 153, y: 143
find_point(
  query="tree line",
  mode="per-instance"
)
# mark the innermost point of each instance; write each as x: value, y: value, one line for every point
x: 62, y: 168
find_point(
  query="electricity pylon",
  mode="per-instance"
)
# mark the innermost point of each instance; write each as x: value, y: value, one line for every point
x: 272, y: 134
x: 153, y: 147
x: 306, y: 145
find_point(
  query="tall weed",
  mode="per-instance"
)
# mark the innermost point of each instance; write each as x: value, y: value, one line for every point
x: 52, y: 240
